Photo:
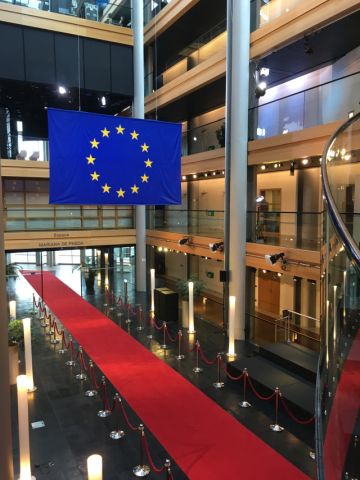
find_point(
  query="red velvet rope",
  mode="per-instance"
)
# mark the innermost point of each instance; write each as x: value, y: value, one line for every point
x: 96, y: 386
x: 153, y: 467
x: 258, y: 394
x: 292, y: 416
x: 229, y: 375
x: 206, y: 360
x: 190, y: 350
x: 63, y: 340
x: 120, y: 301
x: 105, y: 400
x: 172, y: 339
x: 56, y: 328
x: 157, y: 326
x: 83, y: 363
x: 128, y: 423
x: 170, y: 476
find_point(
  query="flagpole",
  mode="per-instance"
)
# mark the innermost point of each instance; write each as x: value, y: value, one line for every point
x: 6, y: 458
x: 138, y: 112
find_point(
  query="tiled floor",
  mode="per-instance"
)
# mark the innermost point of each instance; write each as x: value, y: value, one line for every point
x: 73, y: 431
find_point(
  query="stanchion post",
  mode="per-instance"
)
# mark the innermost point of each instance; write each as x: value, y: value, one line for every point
x: 276, y: 427
x: 91, y: 392
x: 167, y: 465
x: 180, y: 356
x: 197, y: 369
x: 151, y: 318
x: 43, y: 321
x: 63, y: 348
x: 141, y: 470
x: 105, y: 412
x: 128, y: 319
x: 244, y: 403
x: 117, y: 433
x: 28, y: 354
x: 81, y: 375
x: 50, y: 325
x: 140, y: 326
x: 218, y: 383
x: 54, y: 340
x: 164, y: 346
x: 23, y: 415
x: 71, y: 362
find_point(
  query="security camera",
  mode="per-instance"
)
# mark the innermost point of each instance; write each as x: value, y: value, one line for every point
x: 216, y: 247
x: 272, y: 259
x: 184, y: 241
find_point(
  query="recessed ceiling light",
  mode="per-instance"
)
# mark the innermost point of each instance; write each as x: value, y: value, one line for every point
x: 305, y: 161
x: 263, y: 167
x: 62, y: 90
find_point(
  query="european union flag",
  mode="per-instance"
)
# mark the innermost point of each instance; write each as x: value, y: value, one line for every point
x: 102, y: 159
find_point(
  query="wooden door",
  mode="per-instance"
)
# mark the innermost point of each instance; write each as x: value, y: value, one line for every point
x: 268, y: 293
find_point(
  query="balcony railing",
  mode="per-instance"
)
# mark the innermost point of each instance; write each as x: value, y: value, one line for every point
x: 66, y: 218
x: 266, y: 11
x: 152, y: 8
x: 115, y: 13
x: 203, y: 138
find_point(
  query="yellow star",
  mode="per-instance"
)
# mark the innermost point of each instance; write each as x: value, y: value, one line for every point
x: 90, y: 159
x: 148, y: 163
x: 94, y: 143
x: 134, y: 189
x: 105, y: 132
x: 134, y: 135
x: 145, y: 147
x: 106, y: 188
x: 94, y: 176
x: 144, y: 178
x: 120, y: 129
x: 120, y: 193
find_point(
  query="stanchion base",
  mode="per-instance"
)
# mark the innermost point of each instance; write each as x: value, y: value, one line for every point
x: 49, y: 334
x: 218, y: 384
x: 105, y: 304
x: 44, y: 325
x: 81, y: 376
x: 164, y: 346
x: 244, y: 404
x: 149, y: 337
x: 112, y: 309
x: 141, y: 470
x: 312, y: 455
x: 117, y: 434
x: 197, y: 369
x: 54, y: 341
x: 90, y: 393
x: 32, y: 389
x: 62, y: 351
x: 128, y: 320
x: 276, y: 428
x: 103, y: 413
x: 70, y: 363
x: 180, y: 357
x: 139, y: 328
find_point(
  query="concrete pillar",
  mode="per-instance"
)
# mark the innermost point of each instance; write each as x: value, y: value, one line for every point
x: 138, y: 112
x: 6, y: 459
x: 237, y: 98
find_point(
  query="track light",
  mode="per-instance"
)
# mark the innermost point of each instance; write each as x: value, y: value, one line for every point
x: 103, y: 101
x: 261, y: 75
x: 62, y: 90
x: 260, y: 198
x: 185, y: 241
x: 216, y: 247
x: 292, y: 168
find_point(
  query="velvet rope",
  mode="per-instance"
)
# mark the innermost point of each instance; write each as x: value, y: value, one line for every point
x: 169, y: 475
x: 64, y: 344
x: 96, y: 386
x: 153, y: 467
x: 229, y: 375
x: 205, y: 359
x: 105, y: 400
x: 293, y: 417
x: 172, y: 339
x: 158, y: 328
x: 127, y: 421
x: 56, y: 328
x: 258, y: 394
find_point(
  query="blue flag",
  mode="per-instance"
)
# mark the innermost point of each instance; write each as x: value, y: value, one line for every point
x: 102, y: 159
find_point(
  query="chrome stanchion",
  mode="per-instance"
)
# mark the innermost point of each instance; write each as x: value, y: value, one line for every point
x: 167, y: 465
x: 63, y: 349
x: 197, y: 369
x: 244, y: 403
x: 50, y: 325
x: 218, y: 383
x: 276, y: 427
x: 128, y: 320
x: 91, y: 392
x: 81, y: 375
x: 312, y: 455
x: 151, y: 316
x: 54, y: 340
x: 164, y: 346
x: 105, y: 412
x: 71, y: 362
x: 117, y: 433
x: 140, y: 326
x: 180, y: 356
x: 141, y: 470
x: 43, y: 320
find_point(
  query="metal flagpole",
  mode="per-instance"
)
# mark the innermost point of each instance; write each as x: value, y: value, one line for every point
x: 6, y: 458
x: 138, y: 112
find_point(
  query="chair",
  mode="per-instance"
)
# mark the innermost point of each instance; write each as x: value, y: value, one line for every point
x: 21, y: 155
x: 35, y: 156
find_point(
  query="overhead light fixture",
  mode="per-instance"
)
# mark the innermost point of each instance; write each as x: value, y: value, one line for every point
x: 216, y: 247
x: 276, y: 165
x: 264, y: 71
x: 214, y: 173
x: 62, y: 90
x: 195, y: 139
x: 260, y: 83
x: 292, y: 168
x: 260, y: 198
x: 285, y: 131
x: 263, y: 167
x: 185, y: 241
x: 205, y: 174
x: 194, y: 176
x: 103, y: 101
x: 347, y: 156
x: 264, y: 271
x: 223, y: 172
x: 305, y: 161
x: 184, y: 177
x: 351, y: 114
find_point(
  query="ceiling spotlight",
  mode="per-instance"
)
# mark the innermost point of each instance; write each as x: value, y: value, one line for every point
x: 351, y: 114
x: 62, y: 90
x: 185, y: 241
x: 308, y: 48
x: 264, y: 71
x: 276, y: 165
x: 263, y: 167
x: 194, y: 176
x: 260, y: 84
x: 205, y: 174
x: 260, y: 198
x: 184, y: 177
x: 285, y: 131
x: 103, y: 101
x: 305, y: 161
x: 292, y: 168
x: 214, y: 173
x: 216, y: 247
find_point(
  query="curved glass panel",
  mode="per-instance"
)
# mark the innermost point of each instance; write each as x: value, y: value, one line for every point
x: 338, y: 388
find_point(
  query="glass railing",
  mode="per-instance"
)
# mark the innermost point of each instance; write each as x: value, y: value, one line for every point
x: 117, y: 12
x: 152, y: 8
x: 203, y: 138
x: 66, y: 218
x: 338, y: 391
x: 196, y: 222
x: 29, y: 148
x: 286, y: 229
x: 208, y: 44
x: 266, y: 11
x: 319, y: 105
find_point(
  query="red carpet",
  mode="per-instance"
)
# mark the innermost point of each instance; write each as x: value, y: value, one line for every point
x: 204, y: 440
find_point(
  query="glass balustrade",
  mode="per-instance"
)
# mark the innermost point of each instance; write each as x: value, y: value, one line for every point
x: 338, y: 386
x: 117, y: 12
x: 264, y: 12
x: 152, y: 8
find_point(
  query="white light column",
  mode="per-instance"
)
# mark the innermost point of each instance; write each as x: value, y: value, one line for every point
x: 12, y: 309
x: 138, y: 112
x: 191, y: 308
x: 125, y: 291
x: 23, y: 416
x: 94, y: 467
x: 28, y: 354
x: 152, y: 287
x: 232, y: 304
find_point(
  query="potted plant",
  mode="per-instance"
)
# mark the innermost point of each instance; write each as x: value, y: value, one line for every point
x: 15, y: 340
x: 12, y: 271
x: 183, y: 291
x: 220, y: 135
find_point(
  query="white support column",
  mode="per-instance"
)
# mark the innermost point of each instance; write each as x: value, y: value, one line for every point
x: 138, y: 112
x: 237, y: 122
